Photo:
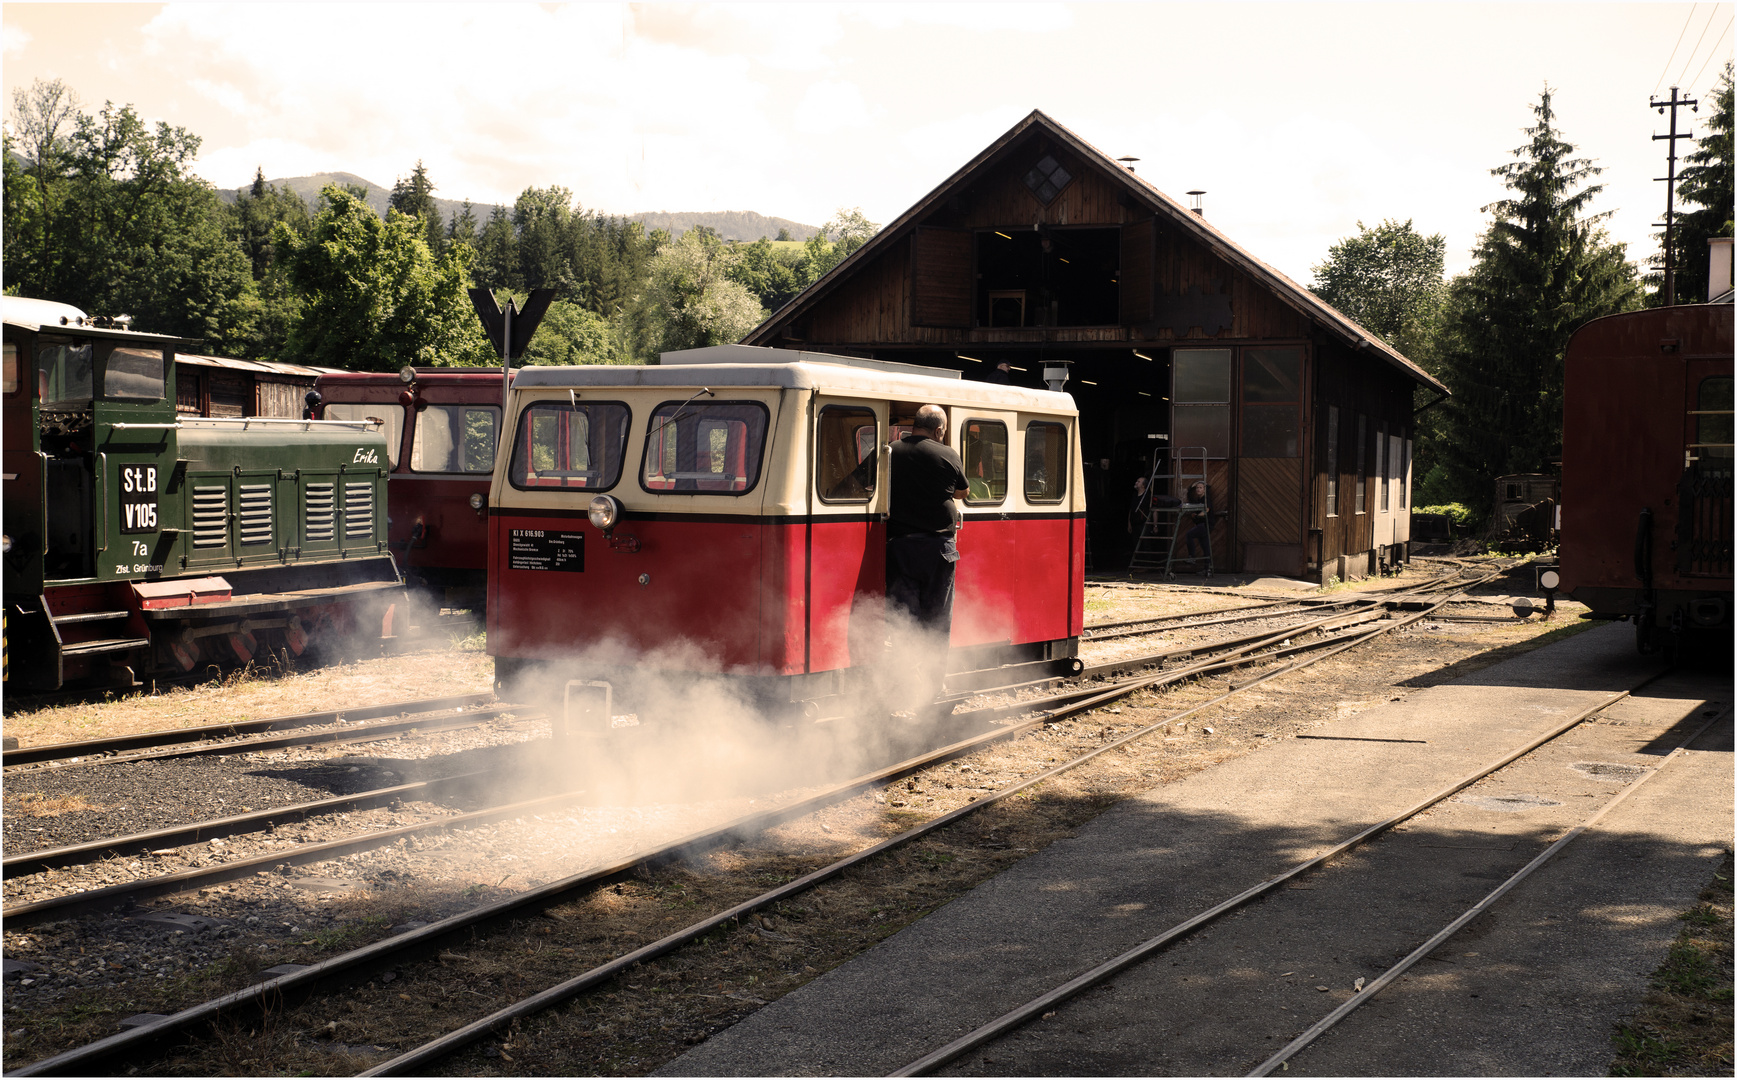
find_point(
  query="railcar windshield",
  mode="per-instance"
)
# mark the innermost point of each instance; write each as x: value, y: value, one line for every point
x: 454, y: 439
x: 389, y: 415
x: 708, y: 448
x: 563, y: 444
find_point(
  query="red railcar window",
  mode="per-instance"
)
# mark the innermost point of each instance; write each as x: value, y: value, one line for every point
x: 711, y: 448
x: 11, y: 375
x: 1046, y: 462
x: 844, y: 451
x: 984, y: 446
x: 564, y: 445
x: 454, y: 439
x: 1713, y: 426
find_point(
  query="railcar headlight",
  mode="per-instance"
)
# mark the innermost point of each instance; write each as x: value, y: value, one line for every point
x: 476, y: 500
x: 605, y: 512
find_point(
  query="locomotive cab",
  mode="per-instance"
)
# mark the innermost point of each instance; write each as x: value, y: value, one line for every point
x: 725, y: 520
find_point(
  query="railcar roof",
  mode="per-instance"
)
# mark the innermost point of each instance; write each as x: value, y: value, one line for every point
x: 831, y: 378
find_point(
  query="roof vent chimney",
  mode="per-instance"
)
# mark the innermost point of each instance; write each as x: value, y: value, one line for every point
x: 1197, y: 208
x: 1128, y: 161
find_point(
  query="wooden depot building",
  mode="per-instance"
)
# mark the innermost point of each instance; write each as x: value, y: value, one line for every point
x: 1044, y: 250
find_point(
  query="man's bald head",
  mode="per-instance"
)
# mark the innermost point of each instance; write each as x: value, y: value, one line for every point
x: 931, y: 421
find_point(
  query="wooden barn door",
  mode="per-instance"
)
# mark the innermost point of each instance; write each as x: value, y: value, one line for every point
x: 1269, y: 483
x: 941, y: 284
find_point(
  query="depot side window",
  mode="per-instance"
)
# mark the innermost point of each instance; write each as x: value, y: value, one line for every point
x: 1046, y: 462
x: 705, y: 448
x: 983, y: 446
x: 564, y: 445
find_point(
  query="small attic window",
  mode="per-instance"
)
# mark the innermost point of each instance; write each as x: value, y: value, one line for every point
x: 1046, y: 179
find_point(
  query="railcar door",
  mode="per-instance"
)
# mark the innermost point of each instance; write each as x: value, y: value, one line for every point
x: 1704, y: 533
x: 847, y: 532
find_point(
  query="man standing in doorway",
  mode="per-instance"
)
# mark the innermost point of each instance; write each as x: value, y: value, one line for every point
x: 927, y: 478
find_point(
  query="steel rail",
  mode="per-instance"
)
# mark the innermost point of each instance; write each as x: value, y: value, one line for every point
x: 1381, y: 981
x: 154, y: 739
x: 32, y: 862
x: 413, y: 1060
x: 87, y: 1058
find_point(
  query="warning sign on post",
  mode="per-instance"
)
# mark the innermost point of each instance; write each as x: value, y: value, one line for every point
x: 545, y: 549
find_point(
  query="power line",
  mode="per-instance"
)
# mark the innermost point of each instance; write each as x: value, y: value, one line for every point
x: 1712, y: 54
x: 1711, y: 15
x: 1674, y: 48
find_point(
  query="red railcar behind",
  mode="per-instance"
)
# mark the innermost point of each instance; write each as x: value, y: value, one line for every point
x: 653, y: 522
x: 440, y: 426
x: 1647, y: 470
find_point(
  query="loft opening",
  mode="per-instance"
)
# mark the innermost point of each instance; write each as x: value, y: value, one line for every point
x: 1049, y: 277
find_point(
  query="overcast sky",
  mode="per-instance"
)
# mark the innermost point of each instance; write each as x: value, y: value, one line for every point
x: 1297, y: 119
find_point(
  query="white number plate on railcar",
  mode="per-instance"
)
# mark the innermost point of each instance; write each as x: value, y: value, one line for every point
x: 545, y: 549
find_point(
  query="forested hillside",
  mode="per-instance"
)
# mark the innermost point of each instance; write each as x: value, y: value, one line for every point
x: 102, y: 211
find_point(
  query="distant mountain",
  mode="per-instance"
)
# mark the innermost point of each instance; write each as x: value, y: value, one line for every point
x: 743, y: 225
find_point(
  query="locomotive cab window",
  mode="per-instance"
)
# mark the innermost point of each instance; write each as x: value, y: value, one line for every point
x: 562, y: 445
x: 983, y: 448
x: 454, y: 439
x: 133, y: 375
x: 1046, y: 462
x: 845, y: 470
x: 63, y: 371
x: 390, y: 417
x: 710, y: 448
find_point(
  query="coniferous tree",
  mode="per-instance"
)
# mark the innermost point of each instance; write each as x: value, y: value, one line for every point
x: 1543, y: 268
x: 253, y: 219
x: 461, y: 229
x: 1705, y: 185
x: 415, y: 197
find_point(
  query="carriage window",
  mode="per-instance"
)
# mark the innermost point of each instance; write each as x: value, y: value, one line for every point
x: 1713, y: 426
x: 847, y: 441
x: 561, y: 445
x: 390, y: 417
x: 984, y: 446
x: 454, y: 439
x: 133, y: 375
x: 704, y: 449
x: 63, y: 371
x: 1046, y: 461
x: 11, y: 369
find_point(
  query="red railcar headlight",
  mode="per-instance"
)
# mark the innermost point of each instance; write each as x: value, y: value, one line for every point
x: 605, y: 512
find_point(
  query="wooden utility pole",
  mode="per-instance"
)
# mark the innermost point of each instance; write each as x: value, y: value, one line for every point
x: 1670, y: 179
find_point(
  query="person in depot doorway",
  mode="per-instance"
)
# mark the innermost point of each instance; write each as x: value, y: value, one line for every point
x: 928, y: 481
x: 1002, y: 374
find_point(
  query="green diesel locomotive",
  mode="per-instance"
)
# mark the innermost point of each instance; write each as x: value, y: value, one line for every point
x: 139, y: 543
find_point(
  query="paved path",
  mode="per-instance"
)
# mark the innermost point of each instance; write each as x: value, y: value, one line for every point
x: 1531, y: 989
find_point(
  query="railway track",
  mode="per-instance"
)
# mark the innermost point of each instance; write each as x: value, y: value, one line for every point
x: 1332, y: 633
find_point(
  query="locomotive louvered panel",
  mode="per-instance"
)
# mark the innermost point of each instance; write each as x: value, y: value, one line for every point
x: 1269, y: 500
x: 210, y: 515
x: 359, y: 509
x: 321, y: 511
x: 255, y: 502
x: 1704, y: 531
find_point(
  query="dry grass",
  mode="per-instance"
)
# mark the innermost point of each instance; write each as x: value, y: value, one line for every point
x: 36, y: 804
x: 254, y: 693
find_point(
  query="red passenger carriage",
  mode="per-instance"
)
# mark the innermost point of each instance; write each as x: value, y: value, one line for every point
x: 702, y: 517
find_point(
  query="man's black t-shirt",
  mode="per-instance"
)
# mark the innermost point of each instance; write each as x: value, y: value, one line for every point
x: 925, y: 474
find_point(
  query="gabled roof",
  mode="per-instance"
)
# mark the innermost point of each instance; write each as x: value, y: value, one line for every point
x: 1181, y: 217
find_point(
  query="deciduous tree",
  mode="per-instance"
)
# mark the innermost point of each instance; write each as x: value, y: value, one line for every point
x: 1389, y: 278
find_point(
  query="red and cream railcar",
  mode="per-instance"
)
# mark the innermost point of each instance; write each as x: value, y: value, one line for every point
x: 1647, y: 471
x: 702, y: 516
x: 440, y: 426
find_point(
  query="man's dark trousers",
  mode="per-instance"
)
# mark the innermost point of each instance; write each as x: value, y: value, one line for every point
x: 920, y: 579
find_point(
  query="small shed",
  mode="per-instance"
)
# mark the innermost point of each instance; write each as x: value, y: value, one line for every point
x: 224, y: 386
x: 1043, y: 250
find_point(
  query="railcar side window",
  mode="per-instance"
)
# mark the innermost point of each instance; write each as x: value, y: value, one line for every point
x: 389, y: 415
x: 1713, y: 425
x: 983, y: 447
x: 11, y: 368
x: 1046, y: 462
x: 63, y: 371
x: 844, y: 469
x: 710, y: 448
x: 562, y: 445
x: 133, y: 375
x: 454, y: 439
